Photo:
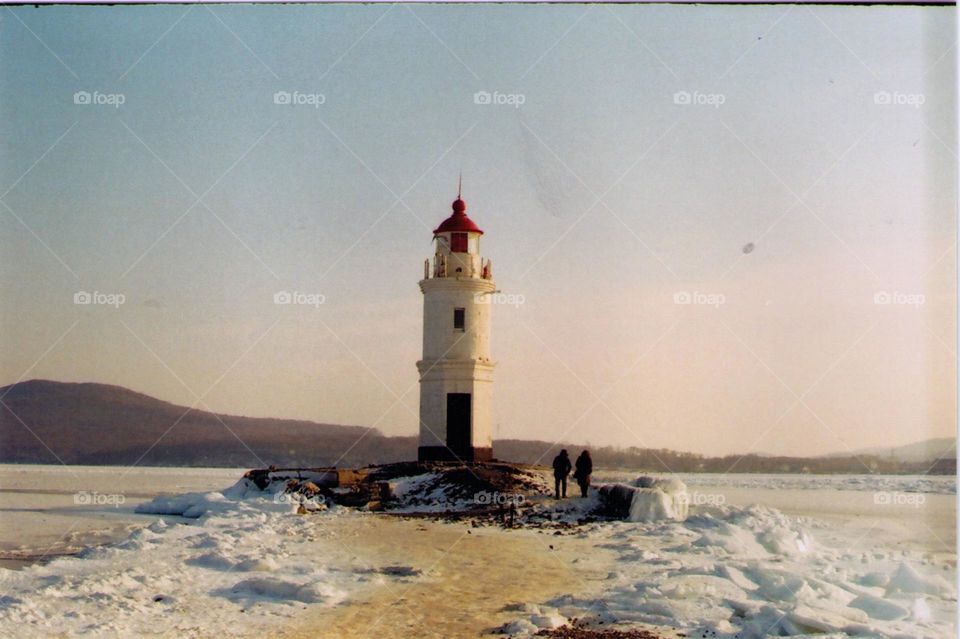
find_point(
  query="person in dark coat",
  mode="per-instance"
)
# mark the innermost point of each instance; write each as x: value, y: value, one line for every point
x: 583, y: 472
x: 561, y: 468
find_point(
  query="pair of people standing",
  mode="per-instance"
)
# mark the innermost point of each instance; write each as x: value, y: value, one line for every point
x: 562, y: 468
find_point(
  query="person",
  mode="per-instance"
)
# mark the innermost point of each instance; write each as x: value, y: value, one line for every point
x: 561, y: 468
x: 583, y: 472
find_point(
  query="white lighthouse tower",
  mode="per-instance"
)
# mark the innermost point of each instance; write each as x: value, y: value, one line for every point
x: 456, y: 373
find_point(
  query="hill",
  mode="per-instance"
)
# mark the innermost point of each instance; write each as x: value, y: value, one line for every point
x: 47, y: 422
x: 928, y: 449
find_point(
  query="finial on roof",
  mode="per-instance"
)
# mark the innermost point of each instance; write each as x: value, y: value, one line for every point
x: 459, y: 206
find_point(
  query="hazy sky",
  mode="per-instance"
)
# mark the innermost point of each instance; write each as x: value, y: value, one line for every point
x: 809, y: 179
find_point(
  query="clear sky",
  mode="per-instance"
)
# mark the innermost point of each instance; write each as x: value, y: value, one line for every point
x: 787, y: 170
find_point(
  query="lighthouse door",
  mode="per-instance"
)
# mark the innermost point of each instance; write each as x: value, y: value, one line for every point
x: 458, y: 423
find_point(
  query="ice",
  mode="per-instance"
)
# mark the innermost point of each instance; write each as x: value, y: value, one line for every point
x: 920, y: 611
x: 877, y: 608
x: 659, y: 499
x: 753, y: 572
x: 873, y: 579
x: 191, y: 505
x: 908, y: 580
x: 646, y: 499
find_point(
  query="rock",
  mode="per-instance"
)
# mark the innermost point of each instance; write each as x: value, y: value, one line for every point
x: 401, y: 571
x: 616, y: 499
x: 384, y: 491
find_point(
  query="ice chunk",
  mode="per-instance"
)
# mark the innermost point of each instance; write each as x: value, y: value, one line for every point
x: 190, y: 505
x: 907, y: 580
x: 520, y: 626
x: 646, y: 500
x: 700, y: 586
x: 877, y: 608
x: 873, y: 579
x: 920, y: 611
x: 737, y: 577
x: 732, y: 539
x: 781, y: 585
x: 658, y: 500
x: 549, y: 621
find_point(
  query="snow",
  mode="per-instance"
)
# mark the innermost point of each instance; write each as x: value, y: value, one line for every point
x: 439, y: 492
x: 205, y: 559
x: 413, y: 496
x: 535, y: 618
x: 751, y: 572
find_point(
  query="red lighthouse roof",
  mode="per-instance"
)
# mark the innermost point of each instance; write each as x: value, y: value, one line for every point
x: 458, y: 220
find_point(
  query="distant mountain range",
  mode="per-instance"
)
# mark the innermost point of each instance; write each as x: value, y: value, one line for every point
x: 928, y: 449
x: 51, y: 422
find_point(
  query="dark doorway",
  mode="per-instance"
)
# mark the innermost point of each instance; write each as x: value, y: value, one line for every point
x: 458, y: 422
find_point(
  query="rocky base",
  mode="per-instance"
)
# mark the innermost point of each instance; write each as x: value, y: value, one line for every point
x: 458, y: 485
x: 486, y: 493
x: 575, y: 632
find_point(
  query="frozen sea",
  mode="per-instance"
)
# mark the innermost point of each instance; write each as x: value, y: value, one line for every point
x: 49, y: 511
x: 760, y: 555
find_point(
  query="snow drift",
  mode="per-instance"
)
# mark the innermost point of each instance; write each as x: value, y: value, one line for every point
x: 203, y: 560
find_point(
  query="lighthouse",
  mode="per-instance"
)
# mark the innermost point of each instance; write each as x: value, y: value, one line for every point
x: 456, y: 373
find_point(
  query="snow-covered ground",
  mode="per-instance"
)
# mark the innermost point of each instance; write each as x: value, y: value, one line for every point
x: 753, y: 572
x: 174, y: 577
x: 228, y: 563
x: 737, y: 571
x: 757, y: 556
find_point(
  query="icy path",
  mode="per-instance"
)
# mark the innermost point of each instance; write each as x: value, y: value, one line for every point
x: 473, y: 580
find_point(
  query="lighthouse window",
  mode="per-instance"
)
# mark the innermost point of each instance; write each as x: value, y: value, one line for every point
x: 459, y: 318
x: 458, y: 242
